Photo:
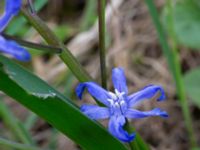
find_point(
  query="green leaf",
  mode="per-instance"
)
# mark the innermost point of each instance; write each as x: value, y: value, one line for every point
x: 52, y: 106
x: 187, y: 24
x: 192, y: 84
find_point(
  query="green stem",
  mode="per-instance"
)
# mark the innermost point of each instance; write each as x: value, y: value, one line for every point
x: 31, y: 7
x: 15, y: 145
x: 51, y: 39
x: 101, y: 12
x: 138, y: 143
x: 14, y: 124
x: 175, y: 67
x: 65, y: 55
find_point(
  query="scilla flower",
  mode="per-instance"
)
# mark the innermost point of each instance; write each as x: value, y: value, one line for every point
x: 9, y: 47
x: 119, y: 105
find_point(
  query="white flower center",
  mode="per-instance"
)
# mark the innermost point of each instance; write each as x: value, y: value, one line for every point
x: 117, y: 99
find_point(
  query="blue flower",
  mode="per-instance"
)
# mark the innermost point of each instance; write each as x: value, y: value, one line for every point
x: 9, y: 47
x: 119, y: 105
x: 12, y: 48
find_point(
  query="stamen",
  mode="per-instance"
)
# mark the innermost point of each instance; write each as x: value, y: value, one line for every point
x: 113, y: 96
x: 111, y: 101
x: 116, y: 104
x: 122, y: 102
x: 117, y: 100
x: 119, y: 94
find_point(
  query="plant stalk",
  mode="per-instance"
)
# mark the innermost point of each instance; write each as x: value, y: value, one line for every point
x: 31, y: 7
x: 102, y: 49
x: 137, y: 143
x: 51, y: 39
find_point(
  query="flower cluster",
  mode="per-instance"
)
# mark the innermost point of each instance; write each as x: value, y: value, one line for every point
x: 119, y: 105
x: 10, y: 47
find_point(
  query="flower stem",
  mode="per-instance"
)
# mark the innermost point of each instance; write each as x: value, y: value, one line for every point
x: 65, y: 54
x: 31, y: 7
x: 175, y: 67
x: 101, y: 13
x: 138, y: 143
x: 51, y: 39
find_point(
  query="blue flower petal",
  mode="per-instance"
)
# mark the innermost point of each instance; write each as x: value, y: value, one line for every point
x: 13, y: 49
x: 115, y: 127
x: 132, y: 113
x: 95, y: 112
x: 119, y: 80
x: 4, y: 20
x: 12, y: 8
x: 95, y: 90
x: 146, y: 93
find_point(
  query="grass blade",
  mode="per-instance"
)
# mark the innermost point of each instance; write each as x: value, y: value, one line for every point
x: 175, y: 68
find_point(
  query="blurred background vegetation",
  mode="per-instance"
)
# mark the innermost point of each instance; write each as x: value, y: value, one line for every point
x: 132, y: 43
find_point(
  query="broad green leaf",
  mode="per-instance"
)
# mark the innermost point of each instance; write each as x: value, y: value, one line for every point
x: 52, y: 106
x: 192, y: 85
x: 187, y: 24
